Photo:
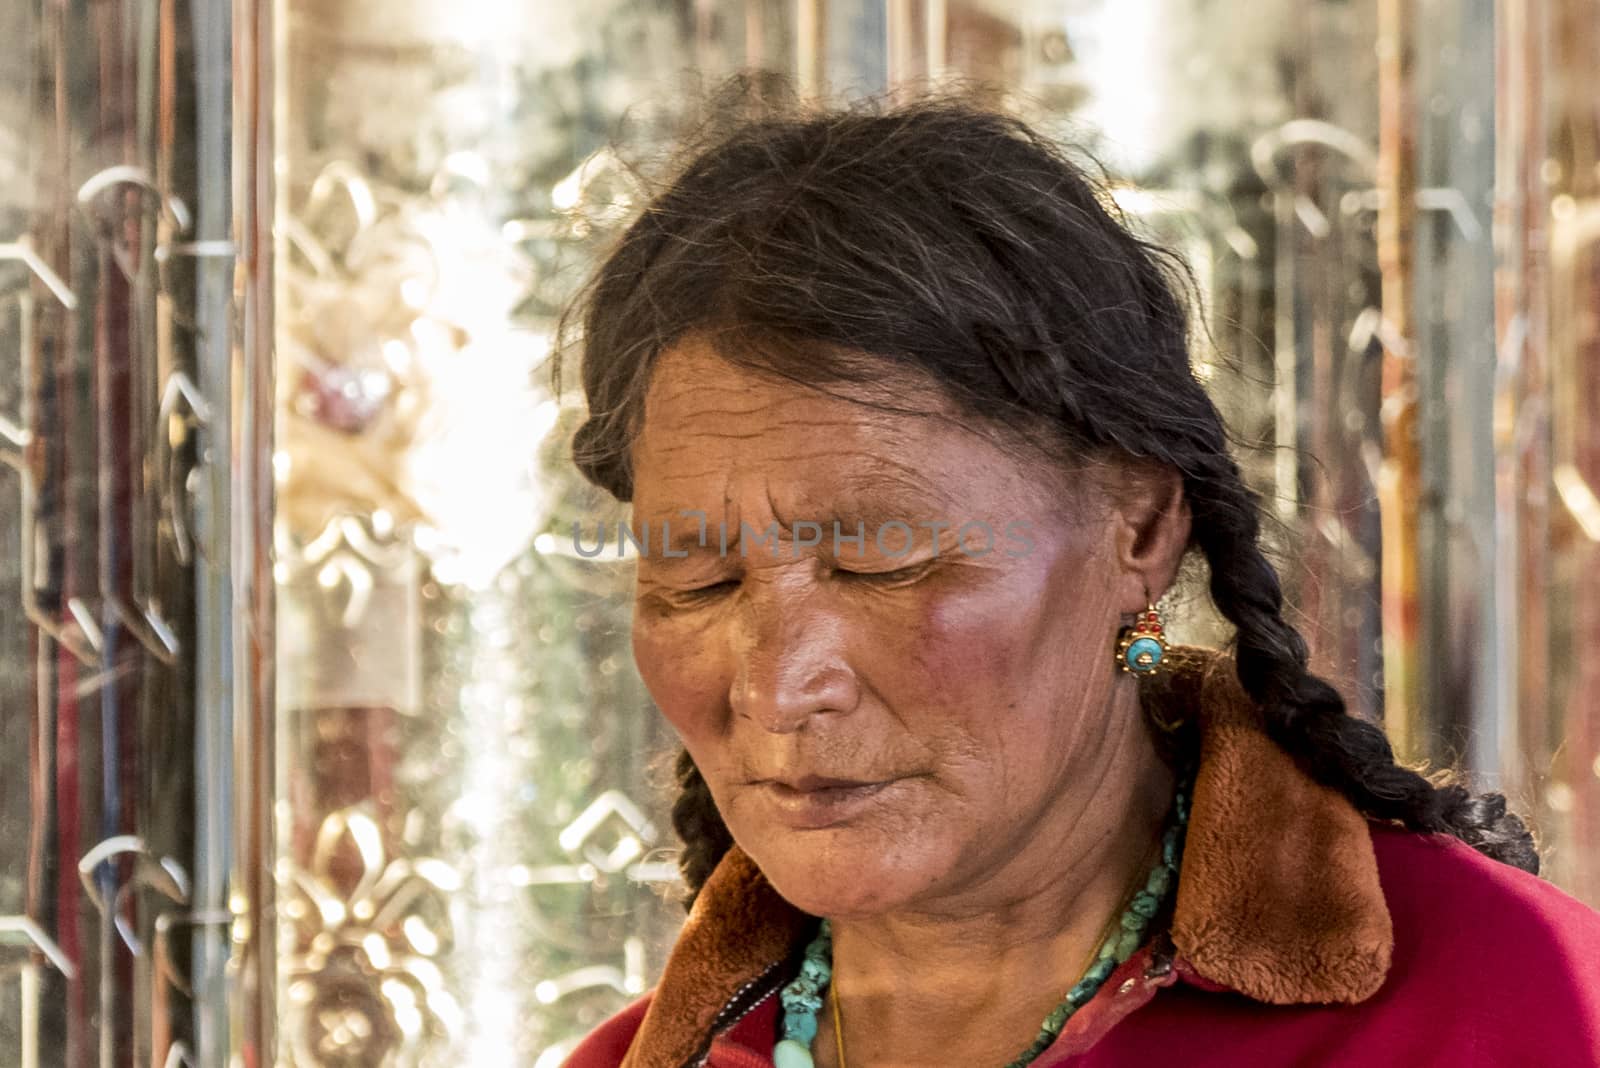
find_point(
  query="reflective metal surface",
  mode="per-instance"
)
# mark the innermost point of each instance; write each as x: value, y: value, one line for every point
x: 1547, y: 183
x: 112, y: 236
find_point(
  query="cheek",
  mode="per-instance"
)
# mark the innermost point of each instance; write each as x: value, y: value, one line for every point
x: 987, y: 641
x: 1011, y: 663
x: 685, y: 677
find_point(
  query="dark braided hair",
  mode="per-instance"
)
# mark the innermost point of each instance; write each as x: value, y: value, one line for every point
x: 953, y: 243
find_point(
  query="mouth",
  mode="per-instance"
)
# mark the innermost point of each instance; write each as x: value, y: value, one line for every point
x: 806, y: 784
x: 812, y: 802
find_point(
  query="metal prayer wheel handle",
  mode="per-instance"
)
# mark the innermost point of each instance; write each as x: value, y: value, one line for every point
x: 172, y: 210
x: 1265, y: 150
x: 148, y: 627
x: 137, y: 615
x: 127, y: 174
x: 77, y: 634
x: 166, y: 969
x: 22, y: 250
x: 18, y: 434
x: 167, y: 976
x: 23, y: 929
x: 178, y: 1056
x: 1290, y: 206
x: 165, y: 876
x: 16, y: 439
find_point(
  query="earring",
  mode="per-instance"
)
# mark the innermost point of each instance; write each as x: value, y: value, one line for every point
x: 1142, y: 647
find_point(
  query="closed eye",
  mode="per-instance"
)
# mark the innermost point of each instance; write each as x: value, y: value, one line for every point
x: 715, y: 589
x: 896, y: 576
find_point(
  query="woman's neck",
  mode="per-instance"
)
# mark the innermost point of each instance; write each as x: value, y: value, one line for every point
x: 968, y: 981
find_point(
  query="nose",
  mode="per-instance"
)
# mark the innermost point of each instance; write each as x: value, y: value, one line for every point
x: 791, y: 663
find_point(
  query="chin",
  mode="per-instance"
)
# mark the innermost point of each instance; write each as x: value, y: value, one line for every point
x: 827, y: 873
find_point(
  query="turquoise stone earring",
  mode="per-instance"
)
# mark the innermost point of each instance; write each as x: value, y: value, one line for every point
x: 1142, y: 647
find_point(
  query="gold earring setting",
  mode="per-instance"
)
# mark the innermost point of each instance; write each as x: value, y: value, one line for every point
x: 1142, y: 647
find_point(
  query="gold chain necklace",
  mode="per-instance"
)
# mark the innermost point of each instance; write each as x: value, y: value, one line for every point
x: 838, y: 1022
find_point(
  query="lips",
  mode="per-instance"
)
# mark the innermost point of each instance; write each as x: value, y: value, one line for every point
x: 806, y: 784
x: 812, y: 802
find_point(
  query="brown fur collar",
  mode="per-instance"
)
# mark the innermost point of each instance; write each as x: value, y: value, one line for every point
x: 1278, y: 895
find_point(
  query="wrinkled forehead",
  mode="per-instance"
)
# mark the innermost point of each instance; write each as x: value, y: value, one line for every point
x: 713, y: 365
x: 714, y: 429
x: 702, y: 408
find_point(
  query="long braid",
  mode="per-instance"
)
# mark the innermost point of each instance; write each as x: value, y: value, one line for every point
x: 1304, y: 714
x: 699, y: 825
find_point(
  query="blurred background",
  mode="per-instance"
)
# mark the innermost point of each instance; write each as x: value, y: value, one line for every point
x: 319, y: 744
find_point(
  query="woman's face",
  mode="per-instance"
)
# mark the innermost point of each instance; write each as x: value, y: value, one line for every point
x: 881, y: 727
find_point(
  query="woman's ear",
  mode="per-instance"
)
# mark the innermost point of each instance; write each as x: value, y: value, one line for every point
x: 1152, y: 520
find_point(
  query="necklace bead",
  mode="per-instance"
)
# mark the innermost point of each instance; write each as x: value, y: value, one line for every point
x: 802, y: 997
x: 791, y: 1053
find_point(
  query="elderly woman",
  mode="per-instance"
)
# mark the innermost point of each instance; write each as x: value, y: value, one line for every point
x: 914, y: 450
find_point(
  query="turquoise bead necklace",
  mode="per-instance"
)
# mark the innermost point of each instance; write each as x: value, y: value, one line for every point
x: 802, y: 997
